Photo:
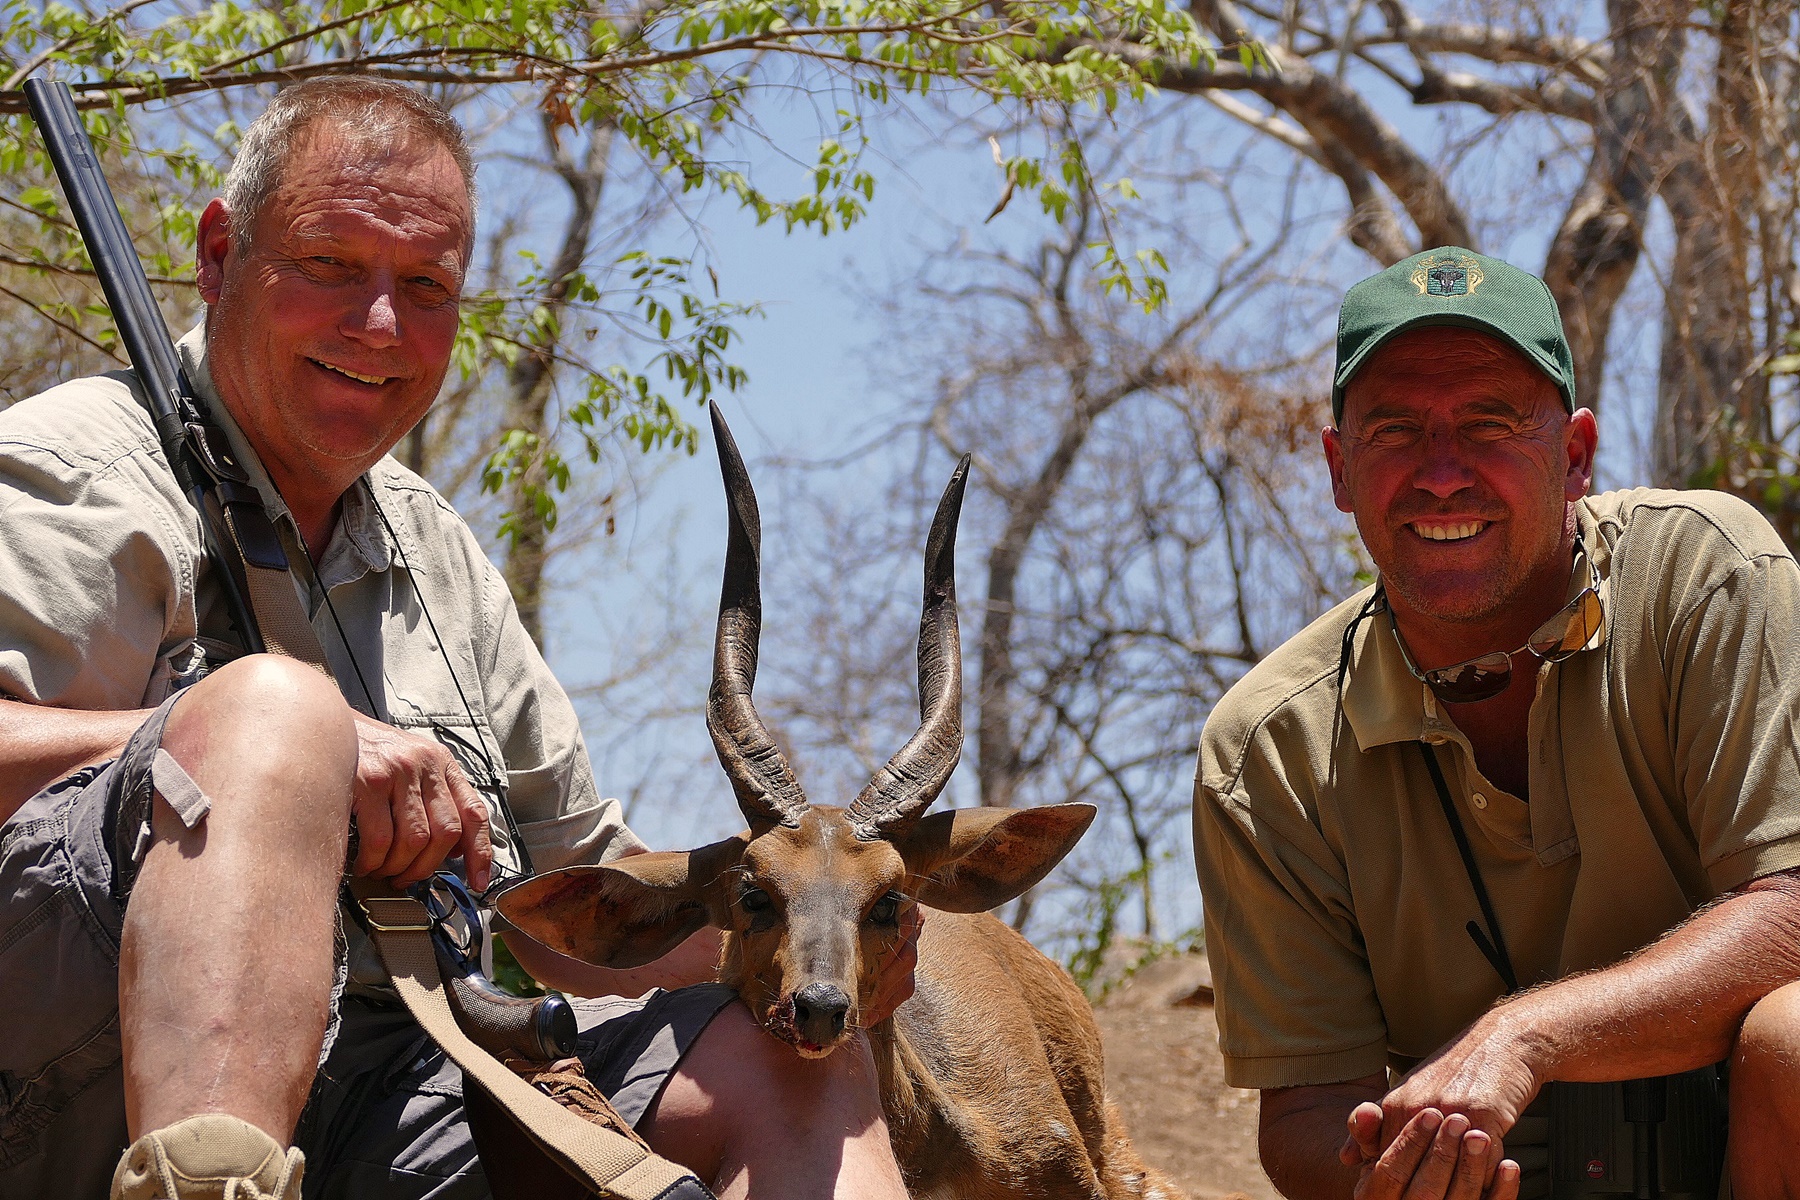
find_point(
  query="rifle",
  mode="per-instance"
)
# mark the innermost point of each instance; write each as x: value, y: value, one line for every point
x: 214, y: 482
x: 239, y: 538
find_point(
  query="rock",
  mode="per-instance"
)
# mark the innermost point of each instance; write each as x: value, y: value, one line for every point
x: 1179, y: 980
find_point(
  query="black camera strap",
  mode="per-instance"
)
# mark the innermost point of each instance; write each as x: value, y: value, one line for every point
x: 1493, y: 948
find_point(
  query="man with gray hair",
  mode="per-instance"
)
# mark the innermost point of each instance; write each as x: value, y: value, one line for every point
x: 186, y: 1014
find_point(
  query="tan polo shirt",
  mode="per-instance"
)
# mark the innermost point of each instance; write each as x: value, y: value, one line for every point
x: 106, y: 598
x: 1665, y: 770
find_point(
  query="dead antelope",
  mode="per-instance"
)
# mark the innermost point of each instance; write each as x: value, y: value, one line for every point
x: 991, y: 1074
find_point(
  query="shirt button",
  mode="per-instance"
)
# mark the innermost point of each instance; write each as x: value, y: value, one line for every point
x: 1479, y: 800
x: 1435, y: 739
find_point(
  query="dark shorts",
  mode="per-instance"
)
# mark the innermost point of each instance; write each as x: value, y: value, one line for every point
x: 385, y: 1118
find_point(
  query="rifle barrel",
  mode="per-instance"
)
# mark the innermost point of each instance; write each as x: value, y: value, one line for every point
x: 141, y: 329
x: 134, y: 307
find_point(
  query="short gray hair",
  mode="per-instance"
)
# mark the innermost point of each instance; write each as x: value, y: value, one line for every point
x: 375, y: 112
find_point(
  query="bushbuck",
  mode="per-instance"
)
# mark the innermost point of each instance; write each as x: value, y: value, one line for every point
x: 990, y: 1075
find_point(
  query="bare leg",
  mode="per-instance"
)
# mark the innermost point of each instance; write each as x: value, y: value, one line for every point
x: 757, y: 1121
x: 1765, y: 1100
x: 226, y: 961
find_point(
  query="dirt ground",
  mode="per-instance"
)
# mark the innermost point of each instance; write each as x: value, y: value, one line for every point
x: 1164, y: 1071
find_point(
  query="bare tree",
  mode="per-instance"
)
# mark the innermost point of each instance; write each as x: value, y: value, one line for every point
x: 1693, y: 106
x: 52, y: 332
x: 1148, y: 506
x: 1141, y: 529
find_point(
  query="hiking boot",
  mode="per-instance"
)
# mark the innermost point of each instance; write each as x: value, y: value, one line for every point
x: 209, y: 1157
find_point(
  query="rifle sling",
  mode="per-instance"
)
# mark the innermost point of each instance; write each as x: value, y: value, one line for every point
x: 611, y: 1164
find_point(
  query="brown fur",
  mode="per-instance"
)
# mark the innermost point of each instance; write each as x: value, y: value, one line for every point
x: 990, y: 1075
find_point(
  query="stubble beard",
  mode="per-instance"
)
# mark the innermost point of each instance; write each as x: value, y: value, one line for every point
x: 1468, y: 606
x: 1493, y: 595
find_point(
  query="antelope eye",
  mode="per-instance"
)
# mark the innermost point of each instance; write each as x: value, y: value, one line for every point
x: 886, y: 909
x: 754, y: 900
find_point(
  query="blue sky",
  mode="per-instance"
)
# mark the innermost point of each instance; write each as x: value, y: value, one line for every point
x: 827, y: 371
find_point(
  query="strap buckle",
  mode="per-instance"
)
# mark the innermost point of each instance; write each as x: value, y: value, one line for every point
x: 395, y: 914
x: 441, y: 906
x: 208, y: 443
x: 455, y: 916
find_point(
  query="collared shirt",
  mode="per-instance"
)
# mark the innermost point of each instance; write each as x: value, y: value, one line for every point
x: 107, y: 601
x: 1665, y: 770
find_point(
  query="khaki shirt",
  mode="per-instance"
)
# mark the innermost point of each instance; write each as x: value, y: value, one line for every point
x: 107, y: 601
x: 1665, y: 770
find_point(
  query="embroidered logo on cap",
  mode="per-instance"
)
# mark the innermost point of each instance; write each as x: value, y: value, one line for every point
x: 1447, y: 275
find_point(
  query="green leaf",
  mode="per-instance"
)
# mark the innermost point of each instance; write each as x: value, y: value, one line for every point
x: 673, y: 81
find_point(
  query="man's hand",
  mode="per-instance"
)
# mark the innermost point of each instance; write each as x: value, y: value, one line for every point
x: 1433, y: 1157
x: 894, y: 973
x: 414, y: 808
x: 1439, y: 1134
x: 1487, y: 1074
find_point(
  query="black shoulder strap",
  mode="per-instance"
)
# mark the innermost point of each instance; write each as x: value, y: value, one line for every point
x: 250, y: 551
x: 1492, y: 948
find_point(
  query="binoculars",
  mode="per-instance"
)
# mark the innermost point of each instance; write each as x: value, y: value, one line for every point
x: 1647, y: 1139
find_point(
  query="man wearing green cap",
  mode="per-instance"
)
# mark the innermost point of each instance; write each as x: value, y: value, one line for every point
x: 1527, y: 810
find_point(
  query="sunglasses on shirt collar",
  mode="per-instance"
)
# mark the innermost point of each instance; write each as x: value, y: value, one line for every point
x: 1485, y: 676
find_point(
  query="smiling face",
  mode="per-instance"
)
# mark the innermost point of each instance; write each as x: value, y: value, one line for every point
x: 811, y: 911
x: 330, y: 333
x: 1460, y: 466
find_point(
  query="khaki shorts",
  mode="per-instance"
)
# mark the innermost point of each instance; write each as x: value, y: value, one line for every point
x: 385, y: 1118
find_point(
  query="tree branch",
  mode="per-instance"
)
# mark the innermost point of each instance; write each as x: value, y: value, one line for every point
x: 1596, y: 249
x: 1328, y: 108
x: 1553, y: 96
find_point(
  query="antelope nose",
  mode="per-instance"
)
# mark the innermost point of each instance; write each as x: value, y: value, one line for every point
x: 819, y: 1011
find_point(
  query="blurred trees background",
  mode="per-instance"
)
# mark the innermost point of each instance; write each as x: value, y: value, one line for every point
x: 1151, y: 512
x: 566, y: 96
x: 1690, y: 109
x: 1134, y: 343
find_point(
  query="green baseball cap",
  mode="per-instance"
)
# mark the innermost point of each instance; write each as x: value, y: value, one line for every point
x: 1452, y: 286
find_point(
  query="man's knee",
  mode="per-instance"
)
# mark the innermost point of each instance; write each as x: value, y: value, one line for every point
x: 1767, y: 1054
x: 274, y: 707
x: 262, y: 728
x: 737, y: 1082
x: 271, y: 684
x: 1765, y: 1098
x: 751, y: 1115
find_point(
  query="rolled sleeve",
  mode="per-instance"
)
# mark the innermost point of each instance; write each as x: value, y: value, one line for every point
x: 93, y: 567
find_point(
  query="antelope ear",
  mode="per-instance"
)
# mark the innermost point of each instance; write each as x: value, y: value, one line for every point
x: 973, y: 859
x: 626, y: 913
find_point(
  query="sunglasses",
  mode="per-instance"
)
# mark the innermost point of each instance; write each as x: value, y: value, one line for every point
x: 1482, y: 678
